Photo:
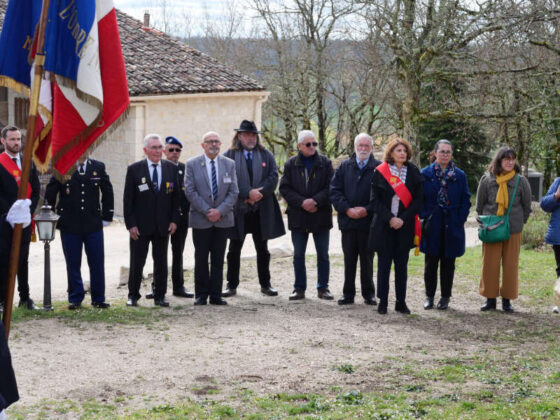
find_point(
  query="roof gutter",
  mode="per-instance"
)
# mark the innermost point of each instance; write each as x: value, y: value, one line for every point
x: 261, y: 94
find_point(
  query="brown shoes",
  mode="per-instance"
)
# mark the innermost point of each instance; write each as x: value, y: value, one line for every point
x: 324, y: 294
x: 297, y: 294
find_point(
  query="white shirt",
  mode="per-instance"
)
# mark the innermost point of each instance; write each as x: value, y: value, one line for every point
x: 78, y: 167
x: 151, y: 170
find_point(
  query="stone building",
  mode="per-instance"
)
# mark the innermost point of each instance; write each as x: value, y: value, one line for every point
x: 174, y: 90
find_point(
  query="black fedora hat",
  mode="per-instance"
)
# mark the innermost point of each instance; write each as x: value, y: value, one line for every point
x: 247, y: 126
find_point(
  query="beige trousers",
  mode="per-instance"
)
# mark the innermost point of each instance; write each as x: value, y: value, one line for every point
x: 504, y: 255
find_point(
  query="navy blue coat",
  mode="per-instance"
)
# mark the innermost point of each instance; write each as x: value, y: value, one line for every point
x: 455, y: 216
x: 351, y: 187
x: 84, y: 201
x: 550, y: 205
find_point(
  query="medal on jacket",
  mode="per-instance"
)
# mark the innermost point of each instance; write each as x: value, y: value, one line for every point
x: 67, y: 191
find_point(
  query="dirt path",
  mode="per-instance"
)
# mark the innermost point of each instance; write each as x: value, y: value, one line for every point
x: 256, y: 343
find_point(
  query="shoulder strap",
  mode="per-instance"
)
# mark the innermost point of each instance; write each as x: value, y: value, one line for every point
x: 513, y: 196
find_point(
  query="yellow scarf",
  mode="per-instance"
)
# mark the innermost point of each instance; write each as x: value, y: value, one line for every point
x: 502, y: 198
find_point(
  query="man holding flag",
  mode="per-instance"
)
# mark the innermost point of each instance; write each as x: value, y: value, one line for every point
x: 10, y: 177
x: 75, y: 45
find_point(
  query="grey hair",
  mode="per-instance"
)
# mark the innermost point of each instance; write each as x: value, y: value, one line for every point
x: 305, y: 134
x: 442, y: 141
x: 363, y: 136
x: 210, y: 133
x: 152, y: 136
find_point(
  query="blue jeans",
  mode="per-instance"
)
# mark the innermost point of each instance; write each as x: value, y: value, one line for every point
x: 321, y: 239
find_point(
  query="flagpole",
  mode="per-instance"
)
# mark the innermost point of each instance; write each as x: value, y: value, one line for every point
x: 26, y: 164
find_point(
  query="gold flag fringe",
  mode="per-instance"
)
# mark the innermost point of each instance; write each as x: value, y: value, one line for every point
x: 106, y: 134
x: 14, y: 85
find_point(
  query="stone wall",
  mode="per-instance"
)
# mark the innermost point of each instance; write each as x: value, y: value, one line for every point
x: 186, y: 117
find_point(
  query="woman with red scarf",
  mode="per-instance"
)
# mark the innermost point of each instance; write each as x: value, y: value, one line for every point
x: 397, y: 190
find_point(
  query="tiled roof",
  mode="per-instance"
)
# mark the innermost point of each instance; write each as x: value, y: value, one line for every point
x: 157, y: 64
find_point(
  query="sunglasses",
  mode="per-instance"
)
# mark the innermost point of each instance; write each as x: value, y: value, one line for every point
x: 174, y: 149
x: 314, y: 144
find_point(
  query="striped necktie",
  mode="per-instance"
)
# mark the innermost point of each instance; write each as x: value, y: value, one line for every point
x: 155, y: 179
x: 214, y: 181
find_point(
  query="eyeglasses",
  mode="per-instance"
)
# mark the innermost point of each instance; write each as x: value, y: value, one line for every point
x: 212, y: 141
x: 155, y: 147
x: 174, y: 149
x: 444, y: 152
x: 314, y: 144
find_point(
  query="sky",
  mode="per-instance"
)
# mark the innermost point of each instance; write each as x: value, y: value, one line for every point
x: 196, y: 10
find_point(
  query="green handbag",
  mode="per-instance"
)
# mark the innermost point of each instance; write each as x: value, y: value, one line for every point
x: 492, y: 228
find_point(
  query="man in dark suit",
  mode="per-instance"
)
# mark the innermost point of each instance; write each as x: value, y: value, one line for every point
x: 10, y: 176
x: 172, y: 152
x: 257, y: 211
x: 151, y: 213
x: 211, y: 188
x: 82, y: 218
x: 350, y: 195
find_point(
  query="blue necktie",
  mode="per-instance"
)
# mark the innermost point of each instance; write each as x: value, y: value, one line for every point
x: 250, y: 166
x: 155, y: 178
x: 214, y: 182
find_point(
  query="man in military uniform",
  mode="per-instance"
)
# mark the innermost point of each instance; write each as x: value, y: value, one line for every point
x: 172, y: 152
x: 10, y: 176
x: 85, y: 206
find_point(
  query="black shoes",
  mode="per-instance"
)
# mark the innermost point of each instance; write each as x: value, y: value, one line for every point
x: 382, y: 308
x: 297, y: 294
x: 269, y: 291
x: 100, y: 305
x: 132, y: 302
x: 325, y: 294
x: 217, y: 301
x: 443, y: 304
x: 182, y: 292
x: 229, y: 292
x: 506, y: 306
x: 150, y: 295
x: 402, y: 308
x: 161, y: 302
x: 346, y: 300
x: 28, y: 304
x: 489, y: 305
x: 199, y: 301
x: 74, y: 306
x: 428, y: 303
x: 370, y: 301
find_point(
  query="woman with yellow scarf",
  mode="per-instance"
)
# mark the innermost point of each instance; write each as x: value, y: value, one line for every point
x: 493, y: 197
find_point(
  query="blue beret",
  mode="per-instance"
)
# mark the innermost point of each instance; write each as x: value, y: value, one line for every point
x: 173, y: 140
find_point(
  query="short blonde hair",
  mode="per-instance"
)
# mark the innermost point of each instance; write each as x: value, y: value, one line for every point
x: 395, y: 141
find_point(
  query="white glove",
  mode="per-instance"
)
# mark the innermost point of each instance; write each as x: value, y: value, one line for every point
x: 20, y: 213
x: 106, y: 223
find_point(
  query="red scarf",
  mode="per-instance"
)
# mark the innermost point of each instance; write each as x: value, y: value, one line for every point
x: 404, y: 195
x: 8, y: 163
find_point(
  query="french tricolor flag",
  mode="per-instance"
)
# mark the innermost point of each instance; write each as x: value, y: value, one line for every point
x: 90, y: 92
x: 84, y: 89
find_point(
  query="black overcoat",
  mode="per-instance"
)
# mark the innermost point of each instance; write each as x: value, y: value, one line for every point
x: 382, y: 194
x: 295, y: 190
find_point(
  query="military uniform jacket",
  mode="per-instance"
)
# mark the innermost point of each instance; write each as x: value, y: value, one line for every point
x: 84, y: 201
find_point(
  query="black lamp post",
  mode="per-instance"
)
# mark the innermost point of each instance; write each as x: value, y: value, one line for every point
x: 46, y: 223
